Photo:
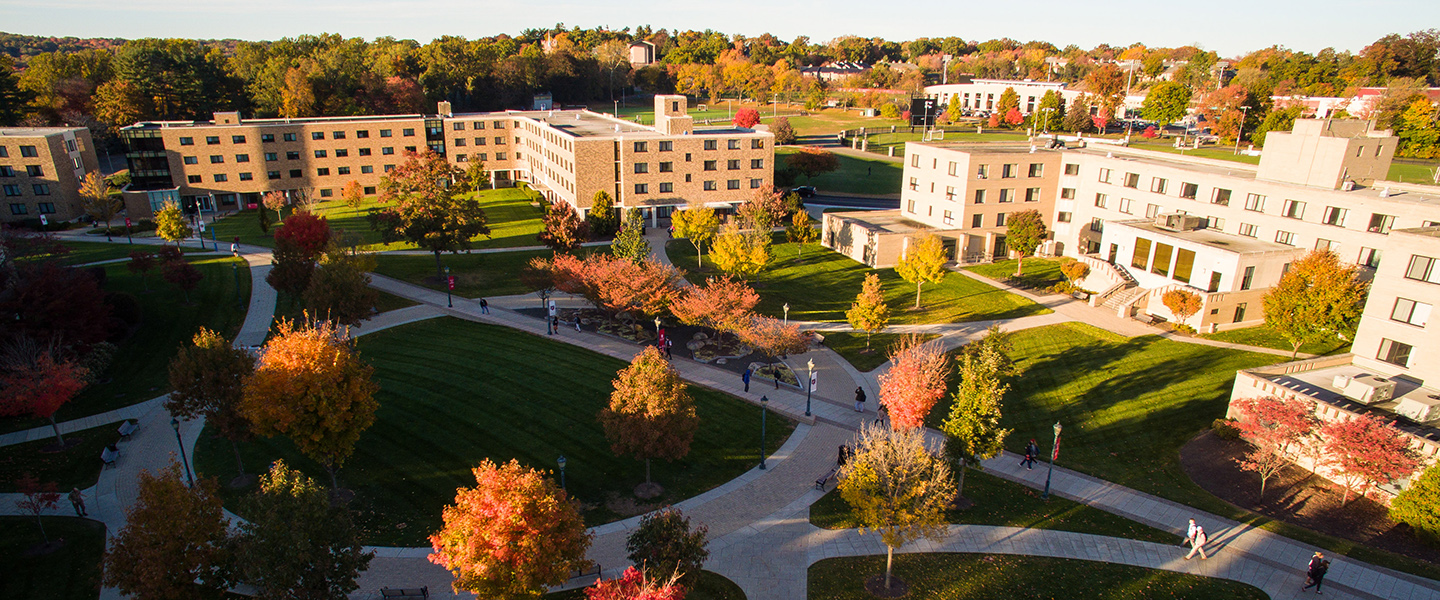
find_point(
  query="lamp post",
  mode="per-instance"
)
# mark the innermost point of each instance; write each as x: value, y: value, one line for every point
x: 449, y: 285
x: 1244, y: 112
x: 175, y: 423
x: 1054, y: 451
x: 763, y: 400
x: 787, y: 313
x: 1045, y: 119
x: 809, y: 383
x: 561, y: 461
x: 544, y: 304
x: 658, y: 342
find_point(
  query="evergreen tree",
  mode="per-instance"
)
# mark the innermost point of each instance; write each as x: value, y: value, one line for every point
x: 601, y: 216
x: 631, y: 242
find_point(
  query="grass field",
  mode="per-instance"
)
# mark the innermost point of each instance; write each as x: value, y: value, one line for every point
x: 139, y: 370
x: 1039, y: 273
x: 70, y: 573
x: 1264, y: 337
x: 1005, y: 503
x: 513, y: 222
x: 987, y: 576
x: 454, y: 392
x: 851, y: 347
x: 709, y: 586
x: 820, y: 285
x: 476, y: 275
x: 88, y: 252
x: 78, y: 466
x: 864, y: 176
x: 1413, y: 171
x: 833, y: 120
x: 295, y: 311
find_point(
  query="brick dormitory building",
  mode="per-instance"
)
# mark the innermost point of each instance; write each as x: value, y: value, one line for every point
x: 1148, y: 222
x: 40, y: 172
x: 567, y: 155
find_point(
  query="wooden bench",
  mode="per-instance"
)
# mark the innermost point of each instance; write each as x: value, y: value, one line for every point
x: 420, y: 593
x: 826, y: 478
x: 128, y: 428
x: 109, y: 457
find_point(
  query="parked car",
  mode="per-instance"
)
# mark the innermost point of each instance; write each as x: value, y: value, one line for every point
x: 804, y: 191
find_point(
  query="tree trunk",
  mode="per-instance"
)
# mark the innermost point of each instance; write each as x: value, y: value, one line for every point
x: 699, y: 256
x: 56, y: 426
x: 334, y: 482
x: 647, y: 470
x: 1295, y: 349
x: 1262, y: 489
x: 917, y: 294
x: 239, y: 464
x: 867, y: 340
x: 439, y: 269
x: 889, y: 562
x: 960, y: 485
x: 1019, y: 265
x: 44, y: 535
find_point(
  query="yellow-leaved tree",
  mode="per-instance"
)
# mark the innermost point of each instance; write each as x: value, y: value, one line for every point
x: 924, y: 262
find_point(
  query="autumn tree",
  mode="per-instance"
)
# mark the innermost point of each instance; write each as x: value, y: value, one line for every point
x: 311, y: 386
x: 1318, y: 298
x: 37, y: 385
x: 1074, y: 270
x: 746, y: 117
x: 915, y: 381
x: 722, y: 304
x: 1419, y: 505
x: 782, y: 130
x: 812, y: 162
x: 59, y: 308
x: 635, y: 584
x: 309, y: 233
x: 275, y: 200
x: 1024, y: 231
x: 664, y: 545
x: 295, y: 544
x: 563, y: 230
x: 1107, y: 84
x: 650, y: 414
x: 353, y: 194
x: 1231, y: 109
x: 181, y: 274
x: 1366, y: 451
x: 972, y: 429
x: 170, y: 224
x: 1166, y: 102
x: 1077, y: 117
x: 1009, y: 100
x: 141, y: 263
x: 800, y: 232
x: 601, y: 216
x: 429, y: 211
x: 897, y: 487
x: 208, y: 378
x: 697, y: 223
x: 97, y: 201
x: 175, y: 544
x: 1274, y: 427
x: 773, y: 337
x: 477, y: 178
x: 923, y: 262
x: 339, y: 288
x: 36, y: 498
x: 631, y: 242
x: 740, y: 252
x: 1182, y: 304
x: 511, y: 536
x: 617, y: 284
x: 869, y: 313
x: 297, y: 96
x: 291, y: 268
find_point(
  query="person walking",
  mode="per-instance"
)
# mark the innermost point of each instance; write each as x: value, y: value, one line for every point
x: 1316, y: 572
x: 859, y: 399
x: 484, y: 307
x: 745, y: 377
x: 1031, y: 451
x: 1190, y: 534
x: 77, y: 500
x: 1197, y: 543
x: 669, y: 343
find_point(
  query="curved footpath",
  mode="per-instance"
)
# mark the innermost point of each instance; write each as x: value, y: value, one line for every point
x: 759, y: 522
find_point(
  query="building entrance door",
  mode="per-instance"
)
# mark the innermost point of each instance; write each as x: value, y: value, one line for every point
x: 999, y: 252
x: 1114, y: 250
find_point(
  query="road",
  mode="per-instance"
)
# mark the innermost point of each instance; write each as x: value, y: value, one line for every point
x: 853, y: 202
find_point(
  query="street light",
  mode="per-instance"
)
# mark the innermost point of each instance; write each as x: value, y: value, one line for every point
x: 787, y: 313
x: 763, y: 400
x: 561, y: 461
x: 1244, y: 112
x: 810, y: 379
x: 174, y: 422
x: 448, y: 287
x: 544, y: 313
x: 1054, y: 451
x: 658, y: 341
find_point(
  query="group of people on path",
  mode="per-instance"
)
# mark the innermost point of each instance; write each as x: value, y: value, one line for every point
x: 1315, y: 572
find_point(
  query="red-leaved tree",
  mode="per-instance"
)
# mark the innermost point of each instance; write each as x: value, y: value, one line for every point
x: 1366, y: 451
x: 40, y: 388
x: 617, y: 284
x: 183, y: 275
x: 773, y: 337
x: 36, y: 498
x: 309, y: 234
x: 914, y: 383
x: 562, y: 229
x: 1013, y: 117
x: 746, y: 117
x: 722, y: 304
x: 512, y: 535
x: 635, y: 585
x: 1275, y: 428
x: 141, y: 263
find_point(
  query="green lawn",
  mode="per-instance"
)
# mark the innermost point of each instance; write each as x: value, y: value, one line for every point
x: 1039, y: 273
x: 88, y: 252
x: 1005, y: 503
x: 513, y: 222
x: 78, y: 466
x: 864, y: 176
x: 487, y: 274
x: 833, y: 120
x: 70, y: 573
x: 989, y: 576
x: 139, y: 370
x: 295, y: 311
x: 454, y: 392
x: 851, y: 347
x: 709, y: 586
x: 1413, y: 171
x: 1265, y: 337
x: 820, y: 285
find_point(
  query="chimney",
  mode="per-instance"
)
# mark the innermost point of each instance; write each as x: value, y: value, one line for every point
x: 444, y: 109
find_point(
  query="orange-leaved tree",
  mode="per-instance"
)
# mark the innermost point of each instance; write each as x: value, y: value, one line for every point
x: 773, y: 337
x: 722, y: 304
x: 869, y: 313
x: 312, y: 387
x: 914, y: 383
x: 511, y: 536
x: 650, y: 414
x: 1182, y: 304
x: 618, y: 284
x: 175, y: 543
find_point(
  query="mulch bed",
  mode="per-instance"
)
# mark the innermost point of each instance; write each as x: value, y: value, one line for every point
x: 1298, y: 497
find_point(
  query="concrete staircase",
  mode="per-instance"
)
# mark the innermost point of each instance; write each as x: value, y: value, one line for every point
x: 1122, y: 300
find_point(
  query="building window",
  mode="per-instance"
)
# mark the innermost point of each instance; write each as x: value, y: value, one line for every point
x: 384, y: 133
x: 712, y: 145
x: 317, y: 135
x: 1369, y: 257
x: 710, y: 165
x: 216, y: 159
x: 1007, y: 195
x: 733, y: 144
x: 642, y: 167
x: 387, y: 151
x: 1063, y: 217
x: 733, y: 165
x: 477, y: 124
x: 341, y: 153
x: 220, y: 178
x: 369, y: 190
x: 1380, y: 223
x: 1097, y: 224
x: 320, y: 154
x: 271, y: 156
x: 242, y: 158
x: 342, y: 171
x: 948, y: 218
x: 999, y: 219
x: 642, y: 188
x: 499, y: 156
x: 362, y: 134
x: 1151, y: 210
x: 1132, y: 180
x: 1072, y: 169
x: 1032, y: 194
x: 1140, y: 257
x: 322, y: 171
x: 4, y: 153
x: 296, y: 173
x: 1423, y: 268
x: 710, y: 186
x: 640, y: 146
x: 1158, y: 185
x: 1037, y: 169
x: 459, y: 142
x: 757, y: 163
x: 1324, y: 245
x: 1125, y: 205
x: 479, y: 141
x: 951, y: 169
x: 1248, y: 230
x: 757, y: 144
x: 1008, y: 171
x: 1285, y: 237
x: 1293, y: 209
x: 289, y: 137
x: 212, y: 140
x: 977, y: 221
x: 1395, y: 353
x: 272, y: 174
x: 1101, y: 200
x: 6, y: 170
x: 910, y: 206
x: 191, y: 160
x: 12, y: 190
x: 387, y: 168
x: 732, y: 184
x: 367, y: 169
x: 1255, y: 202
x: 364, y: 152
x: 17, y: 208
x: 1189, y: 191
x: 194, y: 178
x: 1410, y: 312
x: 41, y: 189
x: 1220, y: 196
x: 1240, y: 312
x: 267, y: 137
x: 408, y: 132
x: 1249, y: 278
x: 1335, y: 215
x: 1104, y: 176
x: 756, y: 183
x: 666, y: 188
x: 1067, y: 193
x: 292, y: 155
x: 667, y: 146
x: 247, y: 176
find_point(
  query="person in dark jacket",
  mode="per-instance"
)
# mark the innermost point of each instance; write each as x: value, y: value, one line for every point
x: 1316, y: 572
x: 859, y: 399
x: 1031, y: 451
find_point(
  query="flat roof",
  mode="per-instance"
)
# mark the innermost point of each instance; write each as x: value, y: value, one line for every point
x: 281, y: 122
x: 1432, y: 232
x: 1220, y: 240
x: 35, y: 131
x: 1319, y: 384
x: 884, y: 221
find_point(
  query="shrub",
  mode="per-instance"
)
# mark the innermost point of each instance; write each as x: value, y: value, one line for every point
x: 1063, y: 287
x: 1074, y: 270
x: 125, y: 307
x: 1225, y: 429
x: 1419, y: 506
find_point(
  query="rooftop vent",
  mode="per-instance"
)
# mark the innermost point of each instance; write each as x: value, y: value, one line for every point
x: 1179, y: 222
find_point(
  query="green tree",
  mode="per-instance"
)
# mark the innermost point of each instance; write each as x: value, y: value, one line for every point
x: 1077, y: 118
x: 290, y: 270
x: 339, y: 288
x: 1166, y: 102
x: 477, y: 178
x: 800, y: 231
x: 631, y: 242
x: 972, y: 429
x: 1024, y: 231
x: 174, y: 545
x: 1008, y: 100
x: 1419, y: 505
x: 740, y: 252
x: 869, y: 313
x: 923, y: 263
x: 601, y: 216
x: 170, y: 224
x: 428, y: 211
x: 1277, y: 120
x: 295, y: 544
x: 97, y: 201
x: 1052, y: 119
x: 1319, y: 298
x: 697, y: 223
x: 665, y: 545
x: 208, y: 378
x: 1419, y: 135
x: 13, y: 99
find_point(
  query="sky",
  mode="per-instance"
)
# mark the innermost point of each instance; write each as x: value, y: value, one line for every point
x: 1230, y: 27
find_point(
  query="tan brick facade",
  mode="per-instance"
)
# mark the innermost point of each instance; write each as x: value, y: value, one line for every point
x: 41, y: 170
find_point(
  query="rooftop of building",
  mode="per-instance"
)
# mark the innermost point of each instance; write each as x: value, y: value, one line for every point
x: 882, y: 221
x: 35, y: 131
x: 280, y: 122
x: 1219, y: 240
x: 1430, y: 232
x: 1319, y: 383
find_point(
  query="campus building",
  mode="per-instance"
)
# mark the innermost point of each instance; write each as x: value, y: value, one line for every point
x: 40, y: 172
x: 566, y: 155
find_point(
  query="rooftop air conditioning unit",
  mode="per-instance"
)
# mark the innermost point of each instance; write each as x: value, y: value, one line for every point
x: 1367, y: 389
x: 1421, y: 409
x: 1179, y: 222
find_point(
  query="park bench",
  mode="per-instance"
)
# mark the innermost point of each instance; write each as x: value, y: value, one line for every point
x: 420, y: 593
x: 128, y: 428
x: 109, y: 456
x: 826, y: 478
x: 592, y: 571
